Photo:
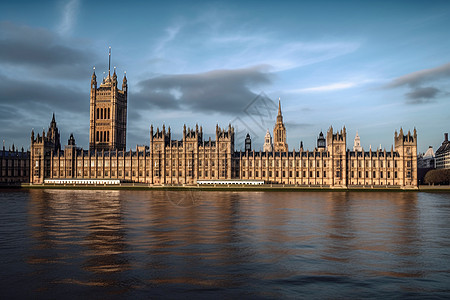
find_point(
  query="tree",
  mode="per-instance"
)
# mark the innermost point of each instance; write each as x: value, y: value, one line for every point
x: 440, y: 176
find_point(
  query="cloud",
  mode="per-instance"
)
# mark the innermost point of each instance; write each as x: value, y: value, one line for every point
x: 171, y: 33
x: 297, y: 126
x: 420, y: 95
x: 225, y: 43
x: 36, y: 95
x: 325, y: 88
x: 224, y: 91
x: 42, y: 52
x: 68, y: 17
x: 417, y: 78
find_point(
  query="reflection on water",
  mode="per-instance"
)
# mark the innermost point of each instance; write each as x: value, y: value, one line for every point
x: 106, y: 244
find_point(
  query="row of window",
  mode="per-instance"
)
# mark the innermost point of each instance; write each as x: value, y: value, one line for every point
x: 102, y: 136
x: 103, y: 113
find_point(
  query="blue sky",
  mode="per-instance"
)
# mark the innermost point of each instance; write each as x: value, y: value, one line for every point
x: 372, y: 66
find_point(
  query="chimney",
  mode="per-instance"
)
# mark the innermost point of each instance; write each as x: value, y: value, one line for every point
x: 445, y: 137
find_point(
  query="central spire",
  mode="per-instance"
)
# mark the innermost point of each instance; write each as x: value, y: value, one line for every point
x: 279, y: 116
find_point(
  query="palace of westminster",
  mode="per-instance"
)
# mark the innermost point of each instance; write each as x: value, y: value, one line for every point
x: 193, y: 159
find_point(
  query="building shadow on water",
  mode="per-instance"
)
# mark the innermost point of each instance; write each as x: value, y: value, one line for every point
x: 79, y: 241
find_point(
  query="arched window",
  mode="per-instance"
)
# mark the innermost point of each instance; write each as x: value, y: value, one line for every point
x: 109, y: 113
x: 98, y: 113
x: 97, y: 132
x: 101, y: 114
x: 107, y: 135
x: 104, y: 136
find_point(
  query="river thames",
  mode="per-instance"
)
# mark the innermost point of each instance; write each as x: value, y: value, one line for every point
x: 192, y: 244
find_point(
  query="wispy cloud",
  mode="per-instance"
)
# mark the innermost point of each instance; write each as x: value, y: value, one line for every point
x: 170, y: 34
x: 68, y: 18
x: 415, y: 80
x: 325, y: 88
x: 419, y: 77
x: 241, y: 46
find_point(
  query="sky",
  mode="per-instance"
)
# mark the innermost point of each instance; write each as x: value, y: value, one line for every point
x: 371, y: 66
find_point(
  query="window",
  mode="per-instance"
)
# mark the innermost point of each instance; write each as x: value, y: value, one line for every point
x: 381, y: 174
x: 318, y: 174
x: 324, y: 174
x: 395, y: 174
x: 374, y: 174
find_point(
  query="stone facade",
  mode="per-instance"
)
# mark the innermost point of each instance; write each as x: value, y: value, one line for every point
x: 108, y: 113
x: 14, y: 166
x: 185, y: 161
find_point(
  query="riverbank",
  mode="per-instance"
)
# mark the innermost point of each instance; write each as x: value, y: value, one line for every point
x: 258, y: 188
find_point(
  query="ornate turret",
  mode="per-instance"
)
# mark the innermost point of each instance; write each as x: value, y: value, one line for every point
x: 248, y: 143
x: 268, y: 146
x: 357, y: 143
x: 71, y: 141
x: 321, y: 144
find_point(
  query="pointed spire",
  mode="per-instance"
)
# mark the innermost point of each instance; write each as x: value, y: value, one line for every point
x: 279, y: 116
x: 279, y: 106
x: 53, y: 118
x: 109, y: 62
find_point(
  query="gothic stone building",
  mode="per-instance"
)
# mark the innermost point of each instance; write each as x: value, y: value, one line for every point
x: 14, y: 166
x: 191, y: 159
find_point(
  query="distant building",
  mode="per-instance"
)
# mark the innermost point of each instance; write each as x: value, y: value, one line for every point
x: 426, y: 160
x: 357, y: 143
x: 443, y: 154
